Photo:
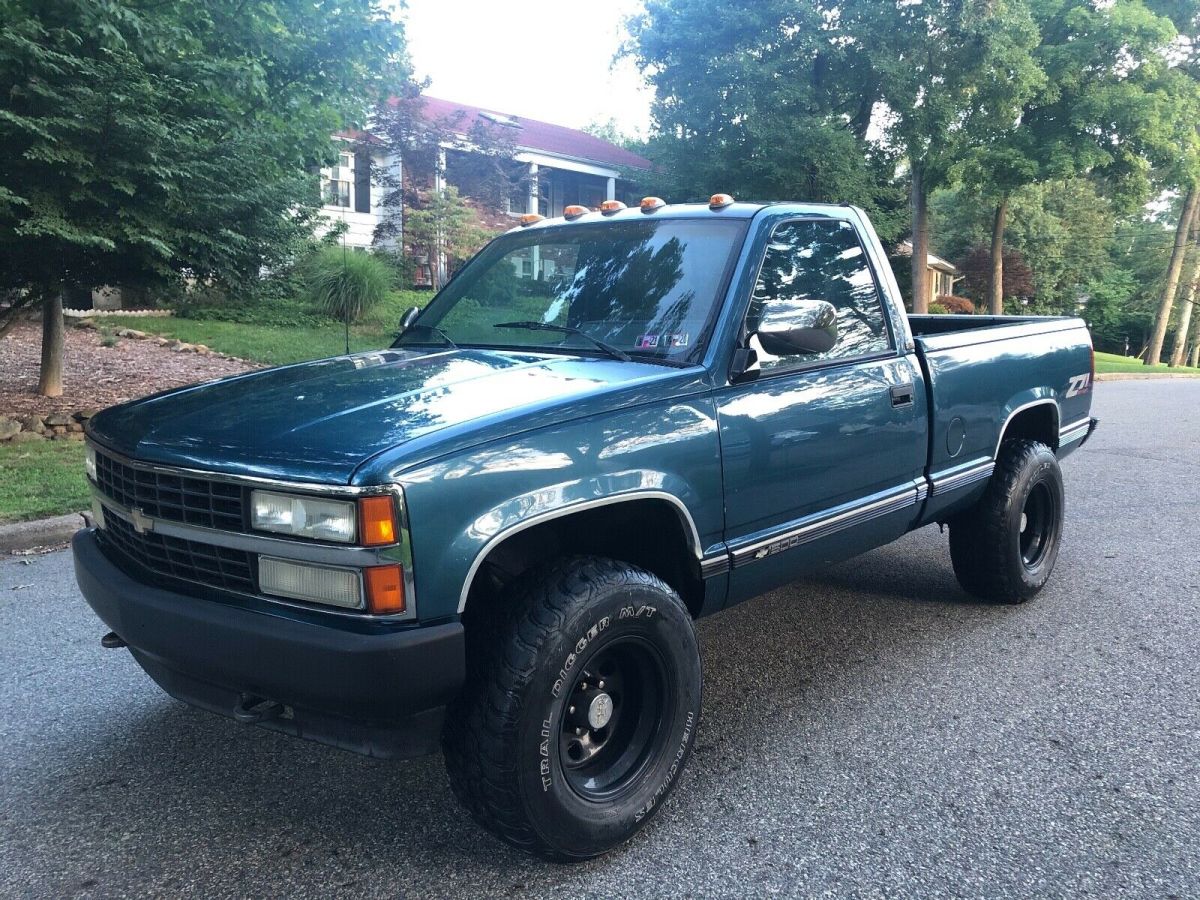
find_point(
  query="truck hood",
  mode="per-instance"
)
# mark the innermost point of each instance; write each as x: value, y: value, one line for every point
x: 319, y: 421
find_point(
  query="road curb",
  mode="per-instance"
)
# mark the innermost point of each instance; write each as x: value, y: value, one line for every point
x: 1141, y: 376
x: 39, y: 533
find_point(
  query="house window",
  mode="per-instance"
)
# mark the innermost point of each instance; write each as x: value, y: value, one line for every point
x: 337, y: 193
x: 336, y: 188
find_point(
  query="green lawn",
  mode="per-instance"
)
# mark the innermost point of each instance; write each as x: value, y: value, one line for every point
x: 43, y: 478
x: 271, y: 344
x: 1111, y: 362
x: 276, y: 344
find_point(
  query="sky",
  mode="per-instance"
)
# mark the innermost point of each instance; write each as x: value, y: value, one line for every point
x: 540, y: 59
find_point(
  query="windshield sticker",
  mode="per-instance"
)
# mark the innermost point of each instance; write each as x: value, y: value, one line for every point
x: 677, y: 340
x: 647, y: 341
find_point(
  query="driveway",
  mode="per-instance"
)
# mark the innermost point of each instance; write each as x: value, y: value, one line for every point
x: 869, y: 732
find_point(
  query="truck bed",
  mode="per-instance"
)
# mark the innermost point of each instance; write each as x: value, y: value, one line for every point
x: 980, y: 371
x: 946, y: 332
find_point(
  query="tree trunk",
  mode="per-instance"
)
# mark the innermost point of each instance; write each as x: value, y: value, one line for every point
x: 996, y: 294
x: 1188, y: 308
x: 1194, y: 362
x: 1163, y: 319
x: 51, y: 382
x: 920, y: 242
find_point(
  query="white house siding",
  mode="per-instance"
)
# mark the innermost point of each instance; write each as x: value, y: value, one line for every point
x: 360, y: 227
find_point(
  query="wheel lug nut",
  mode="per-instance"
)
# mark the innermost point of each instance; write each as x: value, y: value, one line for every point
x: 601, y: 685
x: 571, y: 711
x: 583, y: 685
x: 579, y: 731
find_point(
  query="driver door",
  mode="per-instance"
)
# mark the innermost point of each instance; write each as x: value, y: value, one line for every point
x: 822, y: 452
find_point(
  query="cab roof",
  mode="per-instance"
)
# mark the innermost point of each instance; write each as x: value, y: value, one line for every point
x: 736, y: 210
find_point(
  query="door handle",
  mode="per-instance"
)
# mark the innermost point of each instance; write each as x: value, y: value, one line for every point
x: 902, y: 395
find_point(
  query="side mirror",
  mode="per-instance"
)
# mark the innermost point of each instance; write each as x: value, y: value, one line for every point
x: 798, y: 327
x: 407, y: 319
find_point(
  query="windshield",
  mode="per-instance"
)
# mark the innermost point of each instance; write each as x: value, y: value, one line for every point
x: 648, y: 289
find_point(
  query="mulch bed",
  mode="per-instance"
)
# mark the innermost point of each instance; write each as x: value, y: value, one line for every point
x: 95, y: 375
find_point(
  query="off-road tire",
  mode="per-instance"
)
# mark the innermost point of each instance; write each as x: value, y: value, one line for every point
x: 508, y: 738
x: 993, y: 557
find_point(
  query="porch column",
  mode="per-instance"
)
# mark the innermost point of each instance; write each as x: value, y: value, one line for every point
x: 533, y: 208
x: 532, y: 205
x: 439, y: 186
x: 610, y: 192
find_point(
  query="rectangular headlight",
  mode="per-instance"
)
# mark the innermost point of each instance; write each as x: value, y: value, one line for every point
x: 311, y: 517
x: 317, y: 584
x: 89, y: 461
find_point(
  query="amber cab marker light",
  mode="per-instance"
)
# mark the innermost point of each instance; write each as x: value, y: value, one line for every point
x: 608, y: 207
x: 650, y: 204
x: 574, y: 212
x: 385, y: 590
x: 376, y: 521
x: 719, y: 201
x: 530, y: 218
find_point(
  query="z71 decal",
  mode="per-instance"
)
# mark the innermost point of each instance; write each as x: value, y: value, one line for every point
x: 1079, y: 384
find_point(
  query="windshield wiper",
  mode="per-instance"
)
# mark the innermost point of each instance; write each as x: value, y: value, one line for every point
x: 445, y: 337
x: 567, y: 329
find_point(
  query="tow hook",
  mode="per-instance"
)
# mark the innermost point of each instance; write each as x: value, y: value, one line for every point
x: 251, y: 709
x: 112, y: 641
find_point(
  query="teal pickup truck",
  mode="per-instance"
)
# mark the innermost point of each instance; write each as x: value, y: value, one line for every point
x: 495, y: 535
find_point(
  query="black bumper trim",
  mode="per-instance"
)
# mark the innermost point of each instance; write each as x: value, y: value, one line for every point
x: 380, y: 692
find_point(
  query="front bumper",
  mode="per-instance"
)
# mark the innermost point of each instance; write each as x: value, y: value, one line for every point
x: 377, y: 691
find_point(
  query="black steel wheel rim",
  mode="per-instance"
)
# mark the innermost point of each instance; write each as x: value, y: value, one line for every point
x: 614, y: 718
x: 1037, y: 525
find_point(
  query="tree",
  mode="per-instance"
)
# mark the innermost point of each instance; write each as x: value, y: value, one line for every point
x: 1187, y: 308
x: 1064, y: 231
x: 762, y: 99
x: 1106, y: 108
x: 953, y: 74
x: 443, y: 225
x: 414, y: 193
x: 148, y: 143
x: 977, y: 272
x: 1187, y: 216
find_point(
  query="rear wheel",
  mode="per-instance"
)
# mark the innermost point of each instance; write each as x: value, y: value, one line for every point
x: 1004, y: 548
x: 582, y: 712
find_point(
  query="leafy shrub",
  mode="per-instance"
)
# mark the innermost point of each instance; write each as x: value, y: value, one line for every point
x: 346, y: 285
x: 936, y: 309
x: 959, y: 306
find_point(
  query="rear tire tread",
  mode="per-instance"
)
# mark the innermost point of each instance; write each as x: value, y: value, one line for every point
x: 978, y: 536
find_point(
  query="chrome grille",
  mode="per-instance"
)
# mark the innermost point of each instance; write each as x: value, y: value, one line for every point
x: 177, y: 498
x: 219, y: 567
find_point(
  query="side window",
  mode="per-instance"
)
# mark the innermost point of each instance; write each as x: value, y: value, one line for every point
x: 821, y: 259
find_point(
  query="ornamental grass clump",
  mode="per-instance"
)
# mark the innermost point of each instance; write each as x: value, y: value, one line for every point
x: 346, y: 284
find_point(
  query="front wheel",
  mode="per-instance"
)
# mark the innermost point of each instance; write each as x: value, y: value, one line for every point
x: 583, y: 712
x: 1004, y: 548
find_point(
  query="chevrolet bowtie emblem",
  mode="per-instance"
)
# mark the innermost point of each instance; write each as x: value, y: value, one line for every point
x: 141, y: 522
x: 763, y: 552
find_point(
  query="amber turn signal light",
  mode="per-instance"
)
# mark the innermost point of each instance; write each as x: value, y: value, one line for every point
x: 574, y: 212
x: 385, y: 590
x: 376, y: 521
x: 529, y: 219
x: 608, y: 207
x: 719, y: 201
x: 650, y: 204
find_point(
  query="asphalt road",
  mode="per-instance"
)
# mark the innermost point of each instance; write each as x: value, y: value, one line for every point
x: 872, y: 732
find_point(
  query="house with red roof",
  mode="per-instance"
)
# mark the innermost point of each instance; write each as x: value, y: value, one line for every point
x: 564, y: 166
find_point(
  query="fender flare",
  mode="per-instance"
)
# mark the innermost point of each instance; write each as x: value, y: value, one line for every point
x: 691, y: 532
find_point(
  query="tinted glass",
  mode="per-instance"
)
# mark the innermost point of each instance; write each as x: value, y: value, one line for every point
x: 648, y: 288
x: 821, y: 260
